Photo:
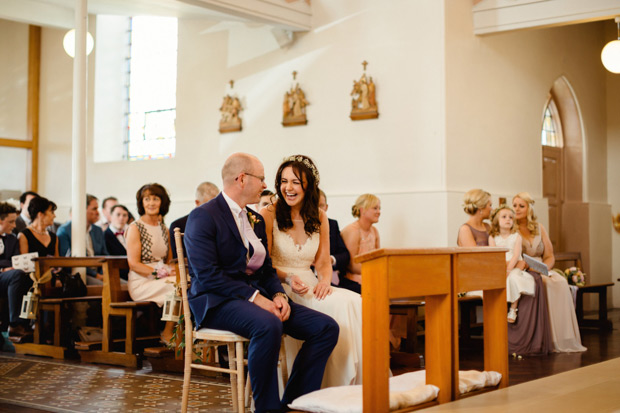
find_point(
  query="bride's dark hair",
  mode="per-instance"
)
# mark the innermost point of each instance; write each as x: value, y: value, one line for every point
x: 303, y: 167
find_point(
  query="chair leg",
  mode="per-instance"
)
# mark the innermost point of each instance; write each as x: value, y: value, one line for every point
x: 233, y: 376
x: 187, y: 375
x: 240, y: 377
x: 248, y: 393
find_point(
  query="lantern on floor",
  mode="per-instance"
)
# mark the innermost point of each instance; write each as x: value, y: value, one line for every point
x: 30, y: 303
x: 30, y: 306
x: 172, y: 307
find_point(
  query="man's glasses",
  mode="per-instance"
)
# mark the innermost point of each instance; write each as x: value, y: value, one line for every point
x: 260, y: 178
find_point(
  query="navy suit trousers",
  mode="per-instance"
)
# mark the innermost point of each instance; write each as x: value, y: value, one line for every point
x: 264, y: 330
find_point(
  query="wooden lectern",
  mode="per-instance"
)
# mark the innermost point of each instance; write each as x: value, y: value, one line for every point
x: 437, y: 274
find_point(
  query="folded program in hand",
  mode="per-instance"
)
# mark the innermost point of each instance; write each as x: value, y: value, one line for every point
x: 536, y: 265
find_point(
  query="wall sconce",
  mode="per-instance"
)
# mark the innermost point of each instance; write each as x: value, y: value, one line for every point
x: 68, y: 42
x: 616, y: 221
x: 610, y: 55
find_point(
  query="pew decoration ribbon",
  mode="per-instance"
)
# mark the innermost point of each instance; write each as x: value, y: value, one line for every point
x: 30, y: 302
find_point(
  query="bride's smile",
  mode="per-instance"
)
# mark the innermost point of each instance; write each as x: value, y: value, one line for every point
x: 292, y: 187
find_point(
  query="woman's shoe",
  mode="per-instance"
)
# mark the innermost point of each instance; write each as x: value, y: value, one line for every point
x: 512, y: 315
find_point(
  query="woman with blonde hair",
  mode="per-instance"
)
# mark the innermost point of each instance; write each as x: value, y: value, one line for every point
x: 361, y: 236
x: 477, y: 204
x: 564, y: 330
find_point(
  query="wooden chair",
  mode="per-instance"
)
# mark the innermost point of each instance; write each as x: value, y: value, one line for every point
x: 570, y: 259
x: 213, y: 338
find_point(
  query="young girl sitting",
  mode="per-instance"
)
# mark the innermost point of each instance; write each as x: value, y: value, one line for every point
x: 504, y: 234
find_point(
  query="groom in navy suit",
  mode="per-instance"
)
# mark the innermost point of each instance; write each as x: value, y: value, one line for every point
x: 235, y: 288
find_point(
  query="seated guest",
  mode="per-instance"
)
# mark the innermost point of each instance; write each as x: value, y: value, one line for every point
x: 564, y: 329
x: 23, y: 220
x: 338, y: 251
x: 266, y: 198
x: 361, y: 236
x: 106, y: 212
x: 205, y: 192
x: 149, y: 253
x: 95, y: 240
x: 115, y: 234
x: 35, y: 237
x: 14, y: 284
x: 475, y: 232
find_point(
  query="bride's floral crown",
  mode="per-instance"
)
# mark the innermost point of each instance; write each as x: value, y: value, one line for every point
x: 307, y: 162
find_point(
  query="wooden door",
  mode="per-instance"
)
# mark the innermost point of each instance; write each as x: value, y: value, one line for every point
x: 553, y: 168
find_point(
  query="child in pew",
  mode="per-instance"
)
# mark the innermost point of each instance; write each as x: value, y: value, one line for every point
x: 504, y: 234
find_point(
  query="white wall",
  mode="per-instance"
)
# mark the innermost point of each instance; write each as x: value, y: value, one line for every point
x: 399, y: 156
x: 497, y: 87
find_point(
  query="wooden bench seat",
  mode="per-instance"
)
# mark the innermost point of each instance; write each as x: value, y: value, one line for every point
x: 117, y: 303
x: 59, y: 345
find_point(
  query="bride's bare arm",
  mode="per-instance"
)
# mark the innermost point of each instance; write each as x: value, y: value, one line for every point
x: 322, y: 260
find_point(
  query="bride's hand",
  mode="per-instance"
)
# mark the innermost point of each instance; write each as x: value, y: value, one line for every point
x: 298, y: 286
x: 322, y: 290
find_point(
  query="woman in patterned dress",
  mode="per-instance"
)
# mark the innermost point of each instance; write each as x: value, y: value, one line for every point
x: 151, y: 278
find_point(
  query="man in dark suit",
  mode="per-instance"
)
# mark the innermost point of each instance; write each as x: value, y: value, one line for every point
x: 339, y: 253
x: 23, y: 220
x: 14, y: 284
x: 235, y: 288
x: 115, y: 234
x: 205, y: 192
x: 95, y: 241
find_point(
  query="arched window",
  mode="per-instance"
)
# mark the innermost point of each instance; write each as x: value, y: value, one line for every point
x: 550, y: 134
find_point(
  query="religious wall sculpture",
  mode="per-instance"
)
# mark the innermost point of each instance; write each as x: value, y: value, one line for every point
x: 364, y: 101
x: 231, y: 106
x: 294, y: 106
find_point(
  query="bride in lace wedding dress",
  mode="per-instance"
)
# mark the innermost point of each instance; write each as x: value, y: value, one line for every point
x: 298, y: 238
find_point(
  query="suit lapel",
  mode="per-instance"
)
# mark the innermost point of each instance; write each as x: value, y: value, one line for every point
x: 228, y: 217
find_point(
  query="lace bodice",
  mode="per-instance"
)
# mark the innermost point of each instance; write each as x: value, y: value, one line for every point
x: 286, y: 254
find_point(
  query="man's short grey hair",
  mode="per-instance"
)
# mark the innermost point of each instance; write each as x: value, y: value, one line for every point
x: 235, y: 164
x: 206, y: 191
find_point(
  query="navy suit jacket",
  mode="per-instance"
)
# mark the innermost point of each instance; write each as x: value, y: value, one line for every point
x: 11, y: 248
x: 338, y: 248
x: 113, y: 245
x: 96, y: 235
x: 217, y: 259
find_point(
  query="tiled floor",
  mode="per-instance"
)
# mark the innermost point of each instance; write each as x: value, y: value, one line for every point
x: 36, y: 384
x: 49, y: 385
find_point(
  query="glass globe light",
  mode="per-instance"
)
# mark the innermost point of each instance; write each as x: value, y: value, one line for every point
x: 610, y: 56
x: 69, y: 43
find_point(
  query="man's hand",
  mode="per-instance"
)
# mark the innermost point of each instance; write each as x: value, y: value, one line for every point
x: 282, y: 305
x: 268, y: 305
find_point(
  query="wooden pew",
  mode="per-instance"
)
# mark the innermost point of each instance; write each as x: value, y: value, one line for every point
x: 52, y: 302
x: 117, y: 303
x: 432, y: 273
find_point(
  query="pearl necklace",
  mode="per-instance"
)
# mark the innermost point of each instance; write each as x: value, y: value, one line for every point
x: 36, y: 231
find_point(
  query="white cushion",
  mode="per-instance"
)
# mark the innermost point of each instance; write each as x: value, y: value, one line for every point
x: 406, y: 390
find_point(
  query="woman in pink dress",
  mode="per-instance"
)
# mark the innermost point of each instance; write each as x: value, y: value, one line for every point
x: 564, y: 329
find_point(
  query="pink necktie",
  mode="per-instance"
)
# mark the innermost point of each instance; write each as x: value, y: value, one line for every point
x: 258, y: 257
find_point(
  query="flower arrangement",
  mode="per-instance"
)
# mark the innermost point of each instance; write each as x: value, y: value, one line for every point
x: 575, y: 276
x: 253, y: 219
x: 161, y: 270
